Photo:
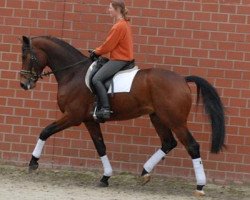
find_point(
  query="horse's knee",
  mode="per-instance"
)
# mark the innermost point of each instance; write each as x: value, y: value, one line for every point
x: 101, y: 150
x: 44, y: 134
x: 168, y: 146
x: 194, y: 150
x: 99, y: 145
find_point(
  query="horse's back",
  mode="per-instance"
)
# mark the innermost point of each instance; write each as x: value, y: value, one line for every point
x: 157, y: 77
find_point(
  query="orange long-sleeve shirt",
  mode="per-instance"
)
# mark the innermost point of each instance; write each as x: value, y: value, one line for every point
x: 119, y: 42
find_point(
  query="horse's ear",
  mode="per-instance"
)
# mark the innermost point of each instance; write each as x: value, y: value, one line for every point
x: 26, y: 41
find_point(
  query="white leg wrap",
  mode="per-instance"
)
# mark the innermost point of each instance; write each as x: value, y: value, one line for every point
x: 38, y: 149
x: 154, y: 160
x: 199, y: 171
x: 107, y: 166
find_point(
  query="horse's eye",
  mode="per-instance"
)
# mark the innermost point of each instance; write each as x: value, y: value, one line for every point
x: 24, y: 57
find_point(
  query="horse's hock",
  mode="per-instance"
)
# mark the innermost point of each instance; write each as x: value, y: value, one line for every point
x: 192, y: 38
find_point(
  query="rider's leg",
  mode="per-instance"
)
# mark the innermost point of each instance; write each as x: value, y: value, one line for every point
x: 108, y: 70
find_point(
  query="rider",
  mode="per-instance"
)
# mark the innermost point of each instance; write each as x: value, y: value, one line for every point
x: 120, y: 46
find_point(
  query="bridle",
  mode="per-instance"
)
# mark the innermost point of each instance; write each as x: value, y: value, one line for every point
x: 35, y: 63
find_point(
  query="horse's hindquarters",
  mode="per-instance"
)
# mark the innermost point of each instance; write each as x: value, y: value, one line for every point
x: 154, y: 91
x: 170, y: 96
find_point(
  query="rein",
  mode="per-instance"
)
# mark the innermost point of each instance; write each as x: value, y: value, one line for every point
x: 50, y: 72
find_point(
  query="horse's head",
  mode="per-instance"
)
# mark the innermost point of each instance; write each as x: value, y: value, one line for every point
x: 34, y: 60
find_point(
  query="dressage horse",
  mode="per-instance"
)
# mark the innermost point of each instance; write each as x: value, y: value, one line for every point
x: 163, y: 95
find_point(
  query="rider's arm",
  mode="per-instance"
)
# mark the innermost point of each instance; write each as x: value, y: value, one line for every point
x: 114, y: 36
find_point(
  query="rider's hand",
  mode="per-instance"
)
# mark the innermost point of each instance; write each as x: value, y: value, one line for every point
x: 93, y: 56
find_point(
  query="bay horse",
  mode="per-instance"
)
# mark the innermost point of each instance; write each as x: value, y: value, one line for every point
x: 163, y: 95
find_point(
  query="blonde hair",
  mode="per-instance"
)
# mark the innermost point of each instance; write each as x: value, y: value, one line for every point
x: 121, y: 4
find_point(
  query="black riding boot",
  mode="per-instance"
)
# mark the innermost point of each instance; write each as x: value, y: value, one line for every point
x: 104, y: 112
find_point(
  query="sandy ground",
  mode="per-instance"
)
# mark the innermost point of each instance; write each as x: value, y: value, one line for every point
x: 17, y: 184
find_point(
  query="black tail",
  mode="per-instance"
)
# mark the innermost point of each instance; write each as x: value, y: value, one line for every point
x: 214, y: 108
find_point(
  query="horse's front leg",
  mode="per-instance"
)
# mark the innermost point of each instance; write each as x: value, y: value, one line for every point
x: 96, y: 135
x: 51, y: 129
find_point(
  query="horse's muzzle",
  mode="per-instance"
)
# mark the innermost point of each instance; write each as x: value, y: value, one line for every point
x: 24, y: 86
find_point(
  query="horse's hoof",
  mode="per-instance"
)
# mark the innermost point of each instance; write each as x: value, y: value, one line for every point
x: 33, y: 168
x: 145, y: 179
x: 102, y: 184
x: 199, y: 193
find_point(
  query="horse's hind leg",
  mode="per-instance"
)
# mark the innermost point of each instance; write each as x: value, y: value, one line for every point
x: 168, y: 143
x: 193, y: 149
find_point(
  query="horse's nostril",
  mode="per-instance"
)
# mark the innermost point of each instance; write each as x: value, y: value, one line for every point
x: 23, y: 86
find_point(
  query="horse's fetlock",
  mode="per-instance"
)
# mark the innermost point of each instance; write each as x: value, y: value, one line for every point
x: 194, y: 150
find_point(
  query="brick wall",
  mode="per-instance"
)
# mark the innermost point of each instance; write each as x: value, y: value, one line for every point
x: 209, y: 38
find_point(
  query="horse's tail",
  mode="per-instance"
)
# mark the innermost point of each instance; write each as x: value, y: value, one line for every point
x: 214, y: 108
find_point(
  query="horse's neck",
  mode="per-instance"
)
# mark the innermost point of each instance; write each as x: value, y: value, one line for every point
x: 58, y: 59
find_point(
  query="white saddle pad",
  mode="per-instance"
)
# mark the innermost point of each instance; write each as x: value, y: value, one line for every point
x: 123, y: 80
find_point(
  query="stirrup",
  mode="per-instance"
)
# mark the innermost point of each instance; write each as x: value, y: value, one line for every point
x: 102, y: 116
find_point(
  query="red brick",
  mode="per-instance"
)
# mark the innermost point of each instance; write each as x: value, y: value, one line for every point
x: 243, y: 168
x: 200, y: 35
x: 219, y: 17
x: 30, y: 5
x: 10, y: 156
x: 148, y: 31
x: 183, y: 33
x: 12, y: 138
x: 174, y: 23
x: 172, y: 60
x: 192, y: 25
x: 227, y: 27
x: 217, y: 54
x: 192, y: 6
x: 158, y: 4
x: 123, y: 139
x: 19, y: 148
x: 141, y: 3
x: 6, y: 12
x: 189, y: 61
x: 243, y: 28
x: 228, y: 9
x: 199, y: 53
x: 184, y: 15
x: 237, y: 18
x: 220, y: 36
x: 200, y: 16
x: 243, y: 9
x: 157, y: 22
x: 225, y: 167
x: 175, y: 5
x: 149, y: 13
x: 233, y: 55
x: 169, y: 14
x: 191, y: 43
x: 4, y: 146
